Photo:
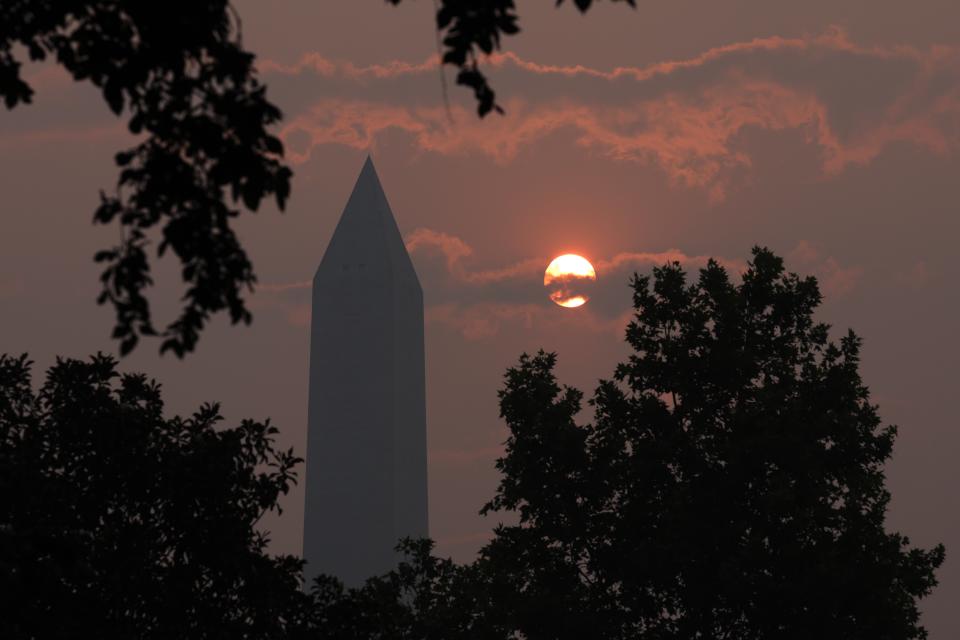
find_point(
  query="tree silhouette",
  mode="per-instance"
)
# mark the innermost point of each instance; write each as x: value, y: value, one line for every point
x: 730, y: 486
x: 179, y: 71
x: 120, y: 523
x: 424, y: 598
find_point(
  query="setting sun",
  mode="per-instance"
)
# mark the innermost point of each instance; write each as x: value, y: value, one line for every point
x: 567, y: 277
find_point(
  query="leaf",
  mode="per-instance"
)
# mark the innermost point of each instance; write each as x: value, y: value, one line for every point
x: 282, y: 191
x: 113, y: 94
x: 129, y: 341
x: 274, y: 145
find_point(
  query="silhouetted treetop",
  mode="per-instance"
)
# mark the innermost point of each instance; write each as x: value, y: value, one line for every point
x: 118, y: 522
x: 731, y: 484
x: 177, y: 71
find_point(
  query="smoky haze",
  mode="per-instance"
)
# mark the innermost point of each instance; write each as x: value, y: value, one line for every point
x: 824, y: 130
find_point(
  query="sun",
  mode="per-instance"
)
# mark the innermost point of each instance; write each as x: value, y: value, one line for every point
x: 568, y: 278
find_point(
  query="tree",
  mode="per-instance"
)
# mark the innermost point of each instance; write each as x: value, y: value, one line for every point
x: 180, y: 73
x: 119, y: 522
x: 424, y: 598
x: 730, y: 486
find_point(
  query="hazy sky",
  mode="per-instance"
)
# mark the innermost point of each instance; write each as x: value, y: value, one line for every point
x: 826, y: 130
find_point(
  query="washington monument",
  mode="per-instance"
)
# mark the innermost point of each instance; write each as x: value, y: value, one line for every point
x: 366, y: 439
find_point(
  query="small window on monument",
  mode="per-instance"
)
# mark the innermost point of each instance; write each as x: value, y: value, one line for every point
x: 362, y: 266
x: 346, y: 267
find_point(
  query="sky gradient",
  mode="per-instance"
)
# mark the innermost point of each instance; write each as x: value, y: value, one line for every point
x: 827, y: 131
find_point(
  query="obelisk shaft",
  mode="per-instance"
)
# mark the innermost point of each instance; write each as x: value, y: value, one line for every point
x: 366, y: 482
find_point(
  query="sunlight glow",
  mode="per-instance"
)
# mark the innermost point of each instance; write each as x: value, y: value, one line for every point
x: 569, y: 264
x: 567, y: 277
x: 570, y: 303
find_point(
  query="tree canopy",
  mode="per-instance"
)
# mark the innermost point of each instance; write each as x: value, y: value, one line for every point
x: 731, y: 484
x: 424, y: 598
x: 118, y: 522
x: 179, y: 73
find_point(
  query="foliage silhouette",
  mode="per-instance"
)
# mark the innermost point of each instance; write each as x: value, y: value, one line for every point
x: 469, y: 28
x: 118, y: 522
x: 731, y: 485
x: 424, y: 598
x: 181, y: 74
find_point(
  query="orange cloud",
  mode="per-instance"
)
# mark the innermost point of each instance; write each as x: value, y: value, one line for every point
x: 834, y: 38
x: 452, y: 247
x: 455, y: 250
x: 322, y: 66
x: 834, y: 278
x: 689, y: 125
x: 692, y: 140
x: 479, y: 304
